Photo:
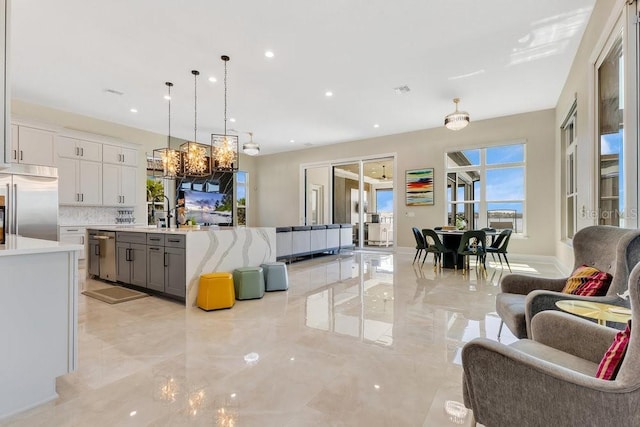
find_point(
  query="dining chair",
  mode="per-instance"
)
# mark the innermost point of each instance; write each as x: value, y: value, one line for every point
x: 473, y: 243
x: 421, y: 244
x: 499, y: 246
x: 436, y: 247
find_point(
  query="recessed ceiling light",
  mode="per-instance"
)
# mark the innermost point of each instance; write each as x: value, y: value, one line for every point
x: 213, y: 79
x: 232, y: 120
x: 400, y: 90
x: 376, y: 125
x: 328, y: 93
x: 134, y: 110
x: 167, y: 97
x: 292, y: 141
x: 269, y: 54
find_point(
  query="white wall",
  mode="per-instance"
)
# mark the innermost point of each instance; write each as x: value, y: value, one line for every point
x: 277, y: 191
x: 577, y: 86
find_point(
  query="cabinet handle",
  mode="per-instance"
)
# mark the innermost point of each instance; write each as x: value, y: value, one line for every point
x: 82, y: 197
x: 72, y: 229
x: 166, y: 262
x: 21, y: 155
x: 97, y: 250
x: 82, y: 240
x: 174, y: 240
x: 15, y: 154
x: 154, y: 249
x: 82, y: 152
x: 77, y: 151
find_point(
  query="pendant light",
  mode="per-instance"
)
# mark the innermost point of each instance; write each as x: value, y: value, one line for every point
x: 251, y: 148
x: 195, y: 160
x: 168, y: 157
x: 458, y: 119
x: 224, y: 148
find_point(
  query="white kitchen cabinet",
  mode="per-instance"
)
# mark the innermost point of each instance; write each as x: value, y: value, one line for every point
x: 74, y: 148
x: 5, y: 84
x: 119, y: 155
x: 74, y: 236
x: 79, y: 182
x: 118, y: 185
x: 32, y: 146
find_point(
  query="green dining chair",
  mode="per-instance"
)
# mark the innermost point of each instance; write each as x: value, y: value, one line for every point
x: 473, y: 243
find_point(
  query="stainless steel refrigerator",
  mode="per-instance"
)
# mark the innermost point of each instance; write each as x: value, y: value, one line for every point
x: 31, y: 201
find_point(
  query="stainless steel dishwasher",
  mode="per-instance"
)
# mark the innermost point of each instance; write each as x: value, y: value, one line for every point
x: 107, y: 255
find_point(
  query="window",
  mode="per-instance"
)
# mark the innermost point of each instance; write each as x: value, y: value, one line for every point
x: 569, y: 172
x: 610, y: 107
x: 485, y: 187
x: 241, y: 198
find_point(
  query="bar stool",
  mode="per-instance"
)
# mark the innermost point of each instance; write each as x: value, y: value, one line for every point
x: 216, y: 291
x: 275, y: 276
x: 248, y: 282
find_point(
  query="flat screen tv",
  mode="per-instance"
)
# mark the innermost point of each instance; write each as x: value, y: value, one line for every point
x: 207, y: 208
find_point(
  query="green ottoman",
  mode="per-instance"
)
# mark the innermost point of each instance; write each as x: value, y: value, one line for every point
x: 248, y: 282
x: 275, y: 276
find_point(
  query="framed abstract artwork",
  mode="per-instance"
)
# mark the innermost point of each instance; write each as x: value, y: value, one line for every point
x: 419, y: 184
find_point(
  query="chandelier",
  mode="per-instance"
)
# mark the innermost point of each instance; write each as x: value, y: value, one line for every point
x: 166, y: 156
x: 458, y: 119
x: 224, y: 148
x: 195, y: 155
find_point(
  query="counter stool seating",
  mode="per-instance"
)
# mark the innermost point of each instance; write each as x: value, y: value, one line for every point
x: 275, y: 276
x: 216, y: 291
x: 248, y: 282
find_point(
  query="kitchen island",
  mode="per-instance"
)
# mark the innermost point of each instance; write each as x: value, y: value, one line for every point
x: 170, y: 261
x: 38, y: 320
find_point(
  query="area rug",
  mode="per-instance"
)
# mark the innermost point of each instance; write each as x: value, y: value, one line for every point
x: 115, y: 294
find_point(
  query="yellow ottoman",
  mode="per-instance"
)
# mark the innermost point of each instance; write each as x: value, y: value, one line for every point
x: 215, y: 291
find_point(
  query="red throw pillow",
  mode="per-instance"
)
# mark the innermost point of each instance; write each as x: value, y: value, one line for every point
x: 610, y: 363
x: 588, y: 281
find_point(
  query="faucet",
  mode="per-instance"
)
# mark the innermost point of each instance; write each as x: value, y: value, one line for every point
x: 168, y: 211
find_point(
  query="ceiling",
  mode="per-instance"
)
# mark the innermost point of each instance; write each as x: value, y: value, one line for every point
x: 500, y: 57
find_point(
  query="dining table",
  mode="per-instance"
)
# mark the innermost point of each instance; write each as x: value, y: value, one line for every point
x: 451, y: 240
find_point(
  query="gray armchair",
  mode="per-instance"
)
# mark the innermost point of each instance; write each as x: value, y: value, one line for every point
x: 550, y: 379
x: 610, y: 249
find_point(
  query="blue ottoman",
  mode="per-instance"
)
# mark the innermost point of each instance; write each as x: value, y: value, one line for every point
x: 275, y: 276
x: 248, y: 282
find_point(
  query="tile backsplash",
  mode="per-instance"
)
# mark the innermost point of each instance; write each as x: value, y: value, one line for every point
x: 80, y: 215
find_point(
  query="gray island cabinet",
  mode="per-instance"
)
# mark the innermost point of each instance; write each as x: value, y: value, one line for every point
x: 169, y: 262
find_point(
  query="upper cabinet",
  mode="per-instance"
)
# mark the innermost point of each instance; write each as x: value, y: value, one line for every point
x: 73, y: 148
x: 5, y: 84
x: 32, y: 146
x: 94, y: 171
x: 119, y: 155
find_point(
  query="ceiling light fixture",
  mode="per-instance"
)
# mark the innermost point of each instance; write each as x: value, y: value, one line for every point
x: 134, y: 110
x: 328, y: 93
x: 195, y: 161
x: 251, y: 148
x: 224, y: 148
x: 458, y: 119
x: 376, y: 126
x: 168, y: 157
x: 269, y: 54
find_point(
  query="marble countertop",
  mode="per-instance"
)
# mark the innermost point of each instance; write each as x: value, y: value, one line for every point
x: 18, y: 245
x: 153, y: 229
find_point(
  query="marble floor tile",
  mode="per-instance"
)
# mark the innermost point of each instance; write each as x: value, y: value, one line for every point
x: 358, y: 339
